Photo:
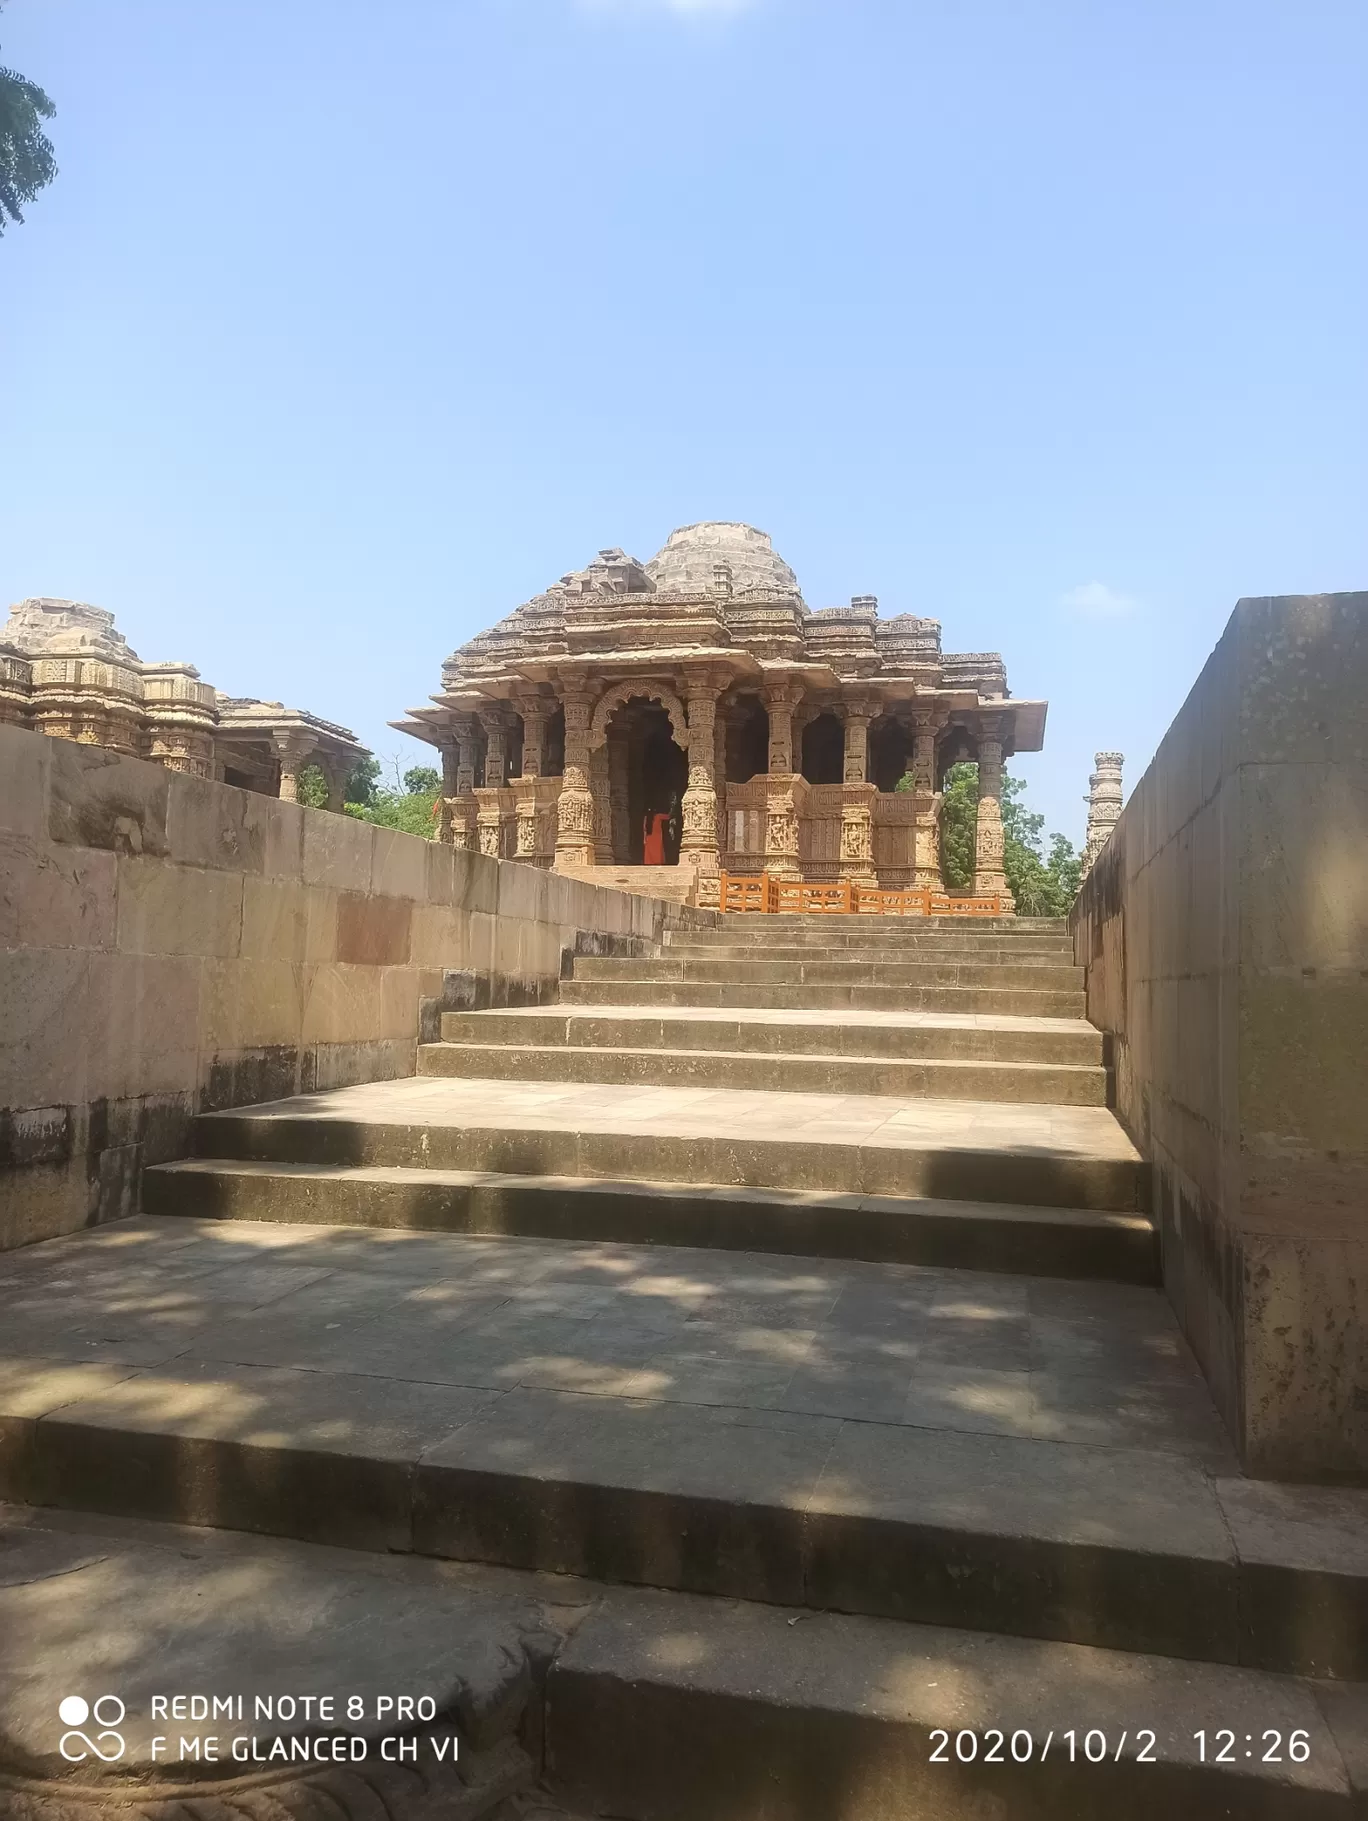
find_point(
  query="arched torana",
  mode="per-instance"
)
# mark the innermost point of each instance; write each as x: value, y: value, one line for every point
x: 614, y: 698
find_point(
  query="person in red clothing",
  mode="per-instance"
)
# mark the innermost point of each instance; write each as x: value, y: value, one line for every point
x: 653, y: 837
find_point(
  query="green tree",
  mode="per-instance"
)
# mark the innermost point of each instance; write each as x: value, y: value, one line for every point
x: 411, y: 811
x: 409, y: 804
x: 959, y: 820
x: 313, y: 787
x: 1043, y: 885
x: 363, y: 780
x: 27, y: 161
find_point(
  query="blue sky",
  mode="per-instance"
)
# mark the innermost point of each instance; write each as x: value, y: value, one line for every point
x: 347, y: 327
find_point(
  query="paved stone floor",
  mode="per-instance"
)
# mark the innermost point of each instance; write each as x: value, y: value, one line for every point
x: 1008, y: 1128
x: 751, y: 1338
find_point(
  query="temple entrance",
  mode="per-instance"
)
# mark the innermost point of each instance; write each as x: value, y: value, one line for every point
x: 648, y: 773
x: 890, y: 753
x: 824, y: 750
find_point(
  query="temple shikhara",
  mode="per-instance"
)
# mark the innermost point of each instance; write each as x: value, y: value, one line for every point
x: 66, y: 671
x: 698, y: 698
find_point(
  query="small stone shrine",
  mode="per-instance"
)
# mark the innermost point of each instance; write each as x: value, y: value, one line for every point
x: 806, y: 745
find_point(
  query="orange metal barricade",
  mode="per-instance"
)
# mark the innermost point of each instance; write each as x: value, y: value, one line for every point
x: 770, y: 893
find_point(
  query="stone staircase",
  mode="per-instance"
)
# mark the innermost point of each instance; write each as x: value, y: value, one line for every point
x: 794, y: 1293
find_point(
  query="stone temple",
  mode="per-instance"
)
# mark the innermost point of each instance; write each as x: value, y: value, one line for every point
x: 65, y: 671
x: 804, y: 744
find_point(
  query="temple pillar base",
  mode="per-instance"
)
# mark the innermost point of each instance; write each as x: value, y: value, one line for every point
x: 785, y: 798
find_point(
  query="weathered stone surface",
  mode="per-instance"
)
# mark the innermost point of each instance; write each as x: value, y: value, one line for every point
x: 1225, y: 935
x: 169, y: 942
x: 827, y: 1434
x: 160, y: 1614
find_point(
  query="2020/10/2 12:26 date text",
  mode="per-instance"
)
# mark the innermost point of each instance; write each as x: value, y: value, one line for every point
x: 1094, y: 1746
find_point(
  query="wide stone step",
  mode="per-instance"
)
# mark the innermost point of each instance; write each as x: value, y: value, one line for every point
x: 724, y: 1711
x: 981, y: 1236
x: 930, y: 1036
x: 1045, y: 977
x: 1128, y: 1549
x: 649, y: 1705
x: 858, y: 954
x: 1026, y: 1456
x: 1062, y: 1084
x: 1017, y: 1002
x: 756, y: 939
x: 962, y: 1150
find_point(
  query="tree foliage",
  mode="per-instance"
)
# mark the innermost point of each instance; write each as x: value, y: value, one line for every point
x: 409, y: 804
x: 413, y: 811
x: 1044, y: 885
x: 27, y: 161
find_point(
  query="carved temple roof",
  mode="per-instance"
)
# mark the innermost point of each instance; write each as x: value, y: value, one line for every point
x: 716, y: 594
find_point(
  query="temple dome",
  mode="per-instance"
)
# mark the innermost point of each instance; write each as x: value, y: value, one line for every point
x: 691, y: 554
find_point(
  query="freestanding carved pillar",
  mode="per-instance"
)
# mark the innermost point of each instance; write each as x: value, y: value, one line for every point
x: 1104, y: 804
x: 292, y: 749
x: 698, y: 845
x: 926, y: 853
x: 989, y: 876
x: 575, y: 811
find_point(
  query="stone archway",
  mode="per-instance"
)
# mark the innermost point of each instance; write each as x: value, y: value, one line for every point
x: 622, y: 693
x: 639, y: 763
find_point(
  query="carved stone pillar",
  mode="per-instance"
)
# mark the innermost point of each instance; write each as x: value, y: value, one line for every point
x: 720, y: 779
x: 698, y: 845
x: 857, y: 743
x: 988, y: 842
x: 600, y: 789
x: 781, y: 699
x: 781, y: 803
x: 527, y: 813
x: 489, y: 822
x: 450, y: 750
x: 495, y: 723
x: 575, y: 811
x: 534, y: 716
x: 926, y: 851
x: 1104, y: 805
x: 458, y: 781
x: 857, y: 834
x: 292, y: 750
x: 619, y: 797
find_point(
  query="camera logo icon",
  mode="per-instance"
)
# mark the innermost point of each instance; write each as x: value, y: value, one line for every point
x: 107, y: 1712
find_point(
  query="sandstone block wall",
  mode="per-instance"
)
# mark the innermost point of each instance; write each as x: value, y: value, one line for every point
x: 169, y: 945
x: 1225, y: 933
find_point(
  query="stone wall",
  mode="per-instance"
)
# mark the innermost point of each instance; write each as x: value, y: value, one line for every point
x: 169, y: 945
x: 1224, y: 928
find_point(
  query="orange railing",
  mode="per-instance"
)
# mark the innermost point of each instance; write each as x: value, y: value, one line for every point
x: 771, y: 893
